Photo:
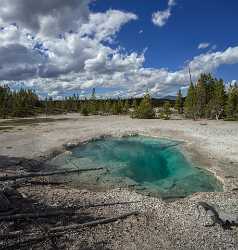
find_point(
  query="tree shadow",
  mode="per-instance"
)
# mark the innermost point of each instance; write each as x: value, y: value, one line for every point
x: 21, y: 204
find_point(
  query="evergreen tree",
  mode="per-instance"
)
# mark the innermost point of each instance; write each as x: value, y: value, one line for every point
x: 126, y: 107
x: 190, y: 103
x: 179, y: 102
x: 232, y: 103
x: 207, y: 99
x: 93, y: 103
x: 216, y: 104
x: 115, y: 108
x: 145, y: 109
x: 166, y: 111
x: 134, y: 104
x: 5, y: 102
x: 200, y: 98
x: 107, y: 106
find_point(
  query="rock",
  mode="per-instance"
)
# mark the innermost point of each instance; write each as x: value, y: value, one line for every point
x: 70, y: 145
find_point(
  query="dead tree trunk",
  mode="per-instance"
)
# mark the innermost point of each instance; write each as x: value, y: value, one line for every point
x: 39, y: 174
x: 64, y: 229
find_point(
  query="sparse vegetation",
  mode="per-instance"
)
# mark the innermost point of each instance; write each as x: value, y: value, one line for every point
x: 145, y: 109
x: 166, y: 111
x: 208, y: 98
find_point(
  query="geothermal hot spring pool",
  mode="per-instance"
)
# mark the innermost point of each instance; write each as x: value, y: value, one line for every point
x: 150, y: 165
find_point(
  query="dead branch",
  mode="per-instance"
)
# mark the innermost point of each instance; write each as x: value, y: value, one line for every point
x: 45, y: 183
x: 70, y: 212
x: 92, y: 223
x: 62, y: 229
x: 39, y: 174
x: 27, y: 216
x: 108, y: 204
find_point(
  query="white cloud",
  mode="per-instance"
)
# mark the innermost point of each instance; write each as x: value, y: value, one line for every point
x: 203, y: 45
x: 83, y: 58
x: 41, y: 16
x: 206, y: 46
x: 103, y: 26
x: 171, y: 3
x: 210, y: 61
x: 43, y: 54
x: 160, y: 18
x: 133, y: 80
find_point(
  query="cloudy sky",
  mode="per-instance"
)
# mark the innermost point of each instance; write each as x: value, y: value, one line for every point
x: 61, y: 47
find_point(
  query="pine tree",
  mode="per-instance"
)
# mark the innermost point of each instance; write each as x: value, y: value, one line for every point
x: 179, y: 102
x: 216, y: 104
x: 108, y: 106
x: 126, y: 107
x: 190, y: 103
x: 232, y: 103
x: 200, y: 94
x: 166, y: 110
x: 93, y: 103
x: 5, y: 102
x: 134, y: 104
x: 145, y: 109
x: 114, y: 109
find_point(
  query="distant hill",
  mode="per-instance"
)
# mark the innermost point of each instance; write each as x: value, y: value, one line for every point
x: 161, y: 101
x: 169, y: 98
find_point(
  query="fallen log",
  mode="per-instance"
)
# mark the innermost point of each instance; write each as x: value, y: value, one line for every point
x: 70, y: 212
x: 45, y: 183
x: 92, y: 223
x: 108, y: 204
x: 58, y: 231
x: 28, y: 216
x: 39, y: 174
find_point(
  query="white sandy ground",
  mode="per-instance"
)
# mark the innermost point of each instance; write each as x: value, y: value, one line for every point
x: 214, y: 143
x: 161, y: 225
x: 217, y: 138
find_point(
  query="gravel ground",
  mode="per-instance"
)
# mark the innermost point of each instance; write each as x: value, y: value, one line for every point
x: 159, y: 225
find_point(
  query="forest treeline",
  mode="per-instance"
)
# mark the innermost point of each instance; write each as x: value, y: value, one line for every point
x: 207, y: 98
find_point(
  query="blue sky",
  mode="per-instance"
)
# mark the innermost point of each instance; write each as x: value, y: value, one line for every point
x: 120, y: 47
x: 192, y: 22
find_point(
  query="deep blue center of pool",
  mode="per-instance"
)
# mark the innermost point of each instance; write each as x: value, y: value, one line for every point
x: 152, y: 165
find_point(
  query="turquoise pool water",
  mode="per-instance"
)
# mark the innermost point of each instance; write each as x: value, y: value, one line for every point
x: 146, y: 164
